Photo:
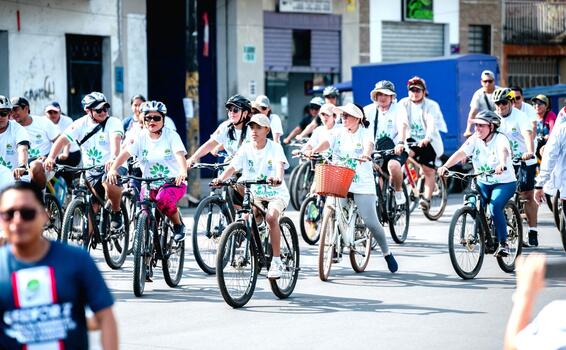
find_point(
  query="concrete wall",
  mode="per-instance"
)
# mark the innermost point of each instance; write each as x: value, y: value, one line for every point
x: 37, y: 52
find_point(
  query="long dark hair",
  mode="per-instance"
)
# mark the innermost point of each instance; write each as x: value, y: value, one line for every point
x: 364, y: 121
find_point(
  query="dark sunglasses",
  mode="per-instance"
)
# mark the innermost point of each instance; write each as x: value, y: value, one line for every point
x: 27, y: 214
x: 101, y: 110
x: 415, y: 89
x: 4, y: 113
x: 518, y: 98
x: 489, y: 81
x: 233, y: 109
x: 155, y: 118
x: 502, y: 103
x: 263, y: 108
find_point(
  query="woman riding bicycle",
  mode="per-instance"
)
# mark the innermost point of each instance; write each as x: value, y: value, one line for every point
x: 490, y: 151
x: 161, y: 153
x: 354, y: 141
x: 319, y: 134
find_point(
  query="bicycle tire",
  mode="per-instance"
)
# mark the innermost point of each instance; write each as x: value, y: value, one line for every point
x: 292, y: 180
x: 471, y: 242
x: 514, y: 237
x: 174, y: 259
x: 326, y: 247
x: 310, y: 219
x: 115, y: 241
x: 362, y: 239
x: 283, y: 287
x: 305, y: 177
x: 563, y: 229
x: 235, y: 254
x: 556, y: 205
x: 140, y: 251
x: 205, y: 238
x: 76, y: 233
x: 54, y: 225
x: 398, y: 216
x: 129, y: 201
x: 435, y: 212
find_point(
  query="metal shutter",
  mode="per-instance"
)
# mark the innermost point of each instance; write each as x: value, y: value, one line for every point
x: 325, y: 51
x: 278, y: 49
x: 403, y: 41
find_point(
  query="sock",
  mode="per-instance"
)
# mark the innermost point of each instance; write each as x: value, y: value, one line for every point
x: 276, y: 259
x: 533, y: 229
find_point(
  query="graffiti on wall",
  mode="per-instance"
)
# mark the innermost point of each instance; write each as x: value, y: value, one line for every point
x: 44, y: 93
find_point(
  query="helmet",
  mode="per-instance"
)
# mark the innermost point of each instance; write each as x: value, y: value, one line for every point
x: 5, y: 103
x: 240, y: 102
x: 95, y: 100
x: 488, y: 116
x: 330, y: 91
x: 153, y: 106
x: 317, y: 101
x: 416, y: 81
x: 503, y: 94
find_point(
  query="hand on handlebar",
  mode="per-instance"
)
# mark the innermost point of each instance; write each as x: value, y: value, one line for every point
x: 112, y: 177
x: 49, y: 163
x: 274, y: 181
x: 500, y: 169
x: 180, y: 179
x: 399, y: 149
x: 527, y: 156
x: 442, y: 170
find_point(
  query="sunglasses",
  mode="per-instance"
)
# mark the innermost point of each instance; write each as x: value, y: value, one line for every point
x: 4, y: 113
x: 26, y: 214
x: 489, y: 81
x: 415, y: 89
x: 263, y: 108
x: 502, y: 103
x: 346, y: 116
x: 233, y: 109
x: 155, y: 118
x: 518, y: 98
x: 101, y: 110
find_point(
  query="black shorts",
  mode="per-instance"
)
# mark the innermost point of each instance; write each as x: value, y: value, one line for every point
x: 97, y: 178
x: 385, y: 143
x: 74, y: 159
x: 525, y: 177
x: 425, y: 156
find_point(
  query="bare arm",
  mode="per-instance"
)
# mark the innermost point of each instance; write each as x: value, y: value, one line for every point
x: 201, y: 151
x: 528, y: 135
x: 180, y: 158
x: 108, y: 329
x: 323, y: 146
x: 293, y: 133
x: 308, y: 130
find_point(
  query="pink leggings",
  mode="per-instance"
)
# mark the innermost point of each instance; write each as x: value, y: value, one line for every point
x: 166, y: 197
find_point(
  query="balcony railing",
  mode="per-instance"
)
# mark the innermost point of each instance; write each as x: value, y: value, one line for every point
x: 535, y: 22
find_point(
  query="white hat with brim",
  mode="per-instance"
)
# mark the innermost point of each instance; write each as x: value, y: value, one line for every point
x: 52, y: 108
x: 327, y: 108
x: 350, y: 109
x: 383, y: 91
x: 260, y: 120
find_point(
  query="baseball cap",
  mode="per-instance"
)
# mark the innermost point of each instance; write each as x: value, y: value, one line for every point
x: 262, y: 101
x: 351, y: 109
x: 19, y: 101
x: 53, y: 106
x: 488, y: 73
x: 541, y: 98
x: 327, y: 108
x: 260, y: 120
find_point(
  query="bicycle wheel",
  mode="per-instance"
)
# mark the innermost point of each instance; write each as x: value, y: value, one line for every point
x: 465, y: 243
x: 75, y: 224
x: 303, y: 184
x: 310, y: 219
x: 398, y: 216
x: 563, y: 228
x: 514, y: 237
x: 141, y: 254
x: 236, y: 265
x: 438, y: 200
x: 292, y: 181
x: 284, y: 286
x: 361, y: 250
x: 174, y: 256
x: 129, y: 200
x: 556, y: 205
x: 115, y: 243
x: 52, y: 229
x: 327, y: 245
x: 413, y: 197
x: 211, y: 217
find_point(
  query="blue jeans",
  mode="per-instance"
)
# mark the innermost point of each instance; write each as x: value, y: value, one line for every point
x: 498, y: 195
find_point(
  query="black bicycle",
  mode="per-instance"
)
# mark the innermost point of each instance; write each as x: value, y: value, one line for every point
x: 310, y: 212
x: 80, y: 210
x: 472, y: 234
x: 243, y: 251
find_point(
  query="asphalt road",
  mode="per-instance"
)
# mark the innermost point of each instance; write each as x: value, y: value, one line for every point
x: 423, y: 306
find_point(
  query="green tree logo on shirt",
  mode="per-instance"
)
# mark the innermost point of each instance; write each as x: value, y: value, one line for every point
x: 158, y: 170
x: 5, y: 163
x: 383, y: 134
x: 94, y: 155
x: 484, y: 168
x: 416, y: 130
x: 144, y: 155
x: 514, y: 146
x: 33, y: 153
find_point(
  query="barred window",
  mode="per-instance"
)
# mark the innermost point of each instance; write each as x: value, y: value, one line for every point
x: 479, y: 39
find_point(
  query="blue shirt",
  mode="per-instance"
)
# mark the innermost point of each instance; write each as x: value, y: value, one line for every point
x: 44, y: 302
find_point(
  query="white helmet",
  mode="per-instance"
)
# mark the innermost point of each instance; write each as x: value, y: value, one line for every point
x: 5, y: 103
x: 153, y: 106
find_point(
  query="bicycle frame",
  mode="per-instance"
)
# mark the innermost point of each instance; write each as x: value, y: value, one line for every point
x: 486, y: 227
x: 343, y: 224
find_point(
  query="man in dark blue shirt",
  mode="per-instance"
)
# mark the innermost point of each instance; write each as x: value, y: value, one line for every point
x: 45, y: 286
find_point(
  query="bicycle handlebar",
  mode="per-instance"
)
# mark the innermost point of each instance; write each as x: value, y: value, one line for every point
x: 212, y: 166
x: 78, y: 169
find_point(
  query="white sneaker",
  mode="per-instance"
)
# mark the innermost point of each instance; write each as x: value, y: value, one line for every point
x: 276, y: 269
x: 400, y: 198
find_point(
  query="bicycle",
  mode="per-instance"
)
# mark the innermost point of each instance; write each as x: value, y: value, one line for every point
x: 80, y: 217
x: 294, y: 175
x: 213, y: 214
x: 243, y: 251
x: 472, y: 235
x: 310, y: 212
x: 154, y: 241
x: 411, y: 178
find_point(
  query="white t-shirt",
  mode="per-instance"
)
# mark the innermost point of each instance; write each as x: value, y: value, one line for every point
x: 275, y: 123
x: 478, y: 100
x: 157, y: 157
x: 6, y: 178
x: 320, y: 134
x: 9, y: 140
x: 257, y: 164
x: 388, y: 123
x: 96, y: 150
x: 345, y: 146
x: 485, y: 157
x: 64, y: 123
x: 529, y: 111
x: 42, y: 132
x: 547, y: 330
x: 221, y: 136
x: 513, y: 126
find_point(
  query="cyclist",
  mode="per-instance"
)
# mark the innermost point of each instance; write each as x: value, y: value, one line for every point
x: 71, y: 155
x: 516, y: 126
x: 482, y: 98
x: 524, y: 107
x: 264, y: 159
x: 135, y: 122
x: 544, y: 122
x: 490, y: 150
x: 264, y: 107
x: 328, y: 118
x: 354, y: 141
x: 42, y: 133
x: 426, y: 121
x: 330, y: 95
x: 389, y: 124
x: 232, y: 133
x: 160, y: 152
x: 98, y: 135
x: 14, y: 140
x: 300, y: 131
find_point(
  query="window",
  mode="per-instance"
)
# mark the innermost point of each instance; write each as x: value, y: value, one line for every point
x: 302, y: 48
x: 479, y: 39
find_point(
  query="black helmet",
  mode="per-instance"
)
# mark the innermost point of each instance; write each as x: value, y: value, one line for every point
x: 488, y: 116
x: 240, y: 102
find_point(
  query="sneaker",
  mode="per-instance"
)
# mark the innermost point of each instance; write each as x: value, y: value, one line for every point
x: 179, y: 232
x: 275, y: 270
x: 424, y: 204
x: 525, y: 244
x: 391, y: 263
x: 533, y: 238
x: 503, y: 250
x: 116, y: 220
x: 400, y: 198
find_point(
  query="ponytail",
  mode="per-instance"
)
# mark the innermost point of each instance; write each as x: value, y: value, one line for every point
x: 364, y: 121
